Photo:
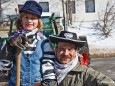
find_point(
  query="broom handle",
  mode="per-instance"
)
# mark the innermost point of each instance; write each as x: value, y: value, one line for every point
x: 18, y: 61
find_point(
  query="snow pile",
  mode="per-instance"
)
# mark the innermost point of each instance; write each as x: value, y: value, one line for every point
x: 97, y: 43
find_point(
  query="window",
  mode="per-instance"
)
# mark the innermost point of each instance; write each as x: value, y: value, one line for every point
x: 73, y: 6
x: 45, y: 6
x: 89, y: 6
x: 70, y: 6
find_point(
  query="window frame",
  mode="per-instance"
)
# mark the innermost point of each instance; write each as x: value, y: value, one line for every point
x: 89, y: 6
x: 45, y: 6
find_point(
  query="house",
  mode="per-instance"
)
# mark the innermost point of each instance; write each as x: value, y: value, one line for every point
x: 77, y: 10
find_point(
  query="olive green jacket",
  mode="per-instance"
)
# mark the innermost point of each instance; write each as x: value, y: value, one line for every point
x: 86, y: 76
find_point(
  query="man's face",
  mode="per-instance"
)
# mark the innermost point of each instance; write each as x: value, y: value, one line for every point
x: 65, y: 52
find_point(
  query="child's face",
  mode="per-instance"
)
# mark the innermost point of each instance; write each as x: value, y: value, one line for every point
x: 30, y: 21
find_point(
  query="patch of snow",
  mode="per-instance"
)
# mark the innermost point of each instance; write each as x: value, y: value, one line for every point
x: 94, y: 41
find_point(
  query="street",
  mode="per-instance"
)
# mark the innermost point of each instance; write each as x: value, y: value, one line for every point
x: 104, y: 65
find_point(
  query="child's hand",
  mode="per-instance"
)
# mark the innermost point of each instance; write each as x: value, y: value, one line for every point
x: 20, y: 41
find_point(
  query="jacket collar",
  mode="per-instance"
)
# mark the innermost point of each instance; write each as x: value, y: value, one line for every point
x: 79, y: 68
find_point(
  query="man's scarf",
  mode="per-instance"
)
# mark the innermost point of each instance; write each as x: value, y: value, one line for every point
x: 63, y: 69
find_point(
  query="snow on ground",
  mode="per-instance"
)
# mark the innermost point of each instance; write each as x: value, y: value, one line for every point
x: 96, y: 42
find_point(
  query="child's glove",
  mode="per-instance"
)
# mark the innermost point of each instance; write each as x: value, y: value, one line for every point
x: 20, y: 41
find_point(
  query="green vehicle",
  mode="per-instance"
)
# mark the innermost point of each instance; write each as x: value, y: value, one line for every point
x: 50, y: 27
x: 49, y: 24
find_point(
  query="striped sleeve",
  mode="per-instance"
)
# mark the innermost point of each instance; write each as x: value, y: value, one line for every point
x: 48, y: 61
x: 5, y: 65
x: 48, y: 51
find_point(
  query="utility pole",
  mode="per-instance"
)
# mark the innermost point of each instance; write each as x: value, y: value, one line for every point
x: 65, y: 13
x: 69, y: 12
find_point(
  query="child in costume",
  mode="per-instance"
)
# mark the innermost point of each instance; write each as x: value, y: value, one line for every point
x: 37, y: 55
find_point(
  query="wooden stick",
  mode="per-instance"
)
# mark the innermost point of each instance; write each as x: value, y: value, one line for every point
x: 18, y: 60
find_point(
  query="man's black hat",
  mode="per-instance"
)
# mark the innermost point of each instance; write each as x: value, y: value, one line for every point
x: 68, y: 37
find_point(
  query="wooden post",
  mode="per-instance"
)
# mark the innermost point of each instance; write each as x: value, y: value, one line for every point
x: 63, y: 14
x: 18, y: 60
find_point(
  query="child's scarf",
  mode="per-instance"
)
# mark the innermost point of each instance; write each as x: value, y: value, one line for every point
x: 34, y: 36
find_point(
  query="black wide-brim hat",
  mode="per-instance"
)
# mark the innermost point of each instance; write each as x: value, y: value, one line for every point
x: 68, y: 37
x: 32, y: 7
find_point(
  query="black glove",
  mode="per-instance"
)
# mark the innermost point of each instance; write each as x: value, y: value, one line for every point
x: 20, y: 41
x: 49, y: 83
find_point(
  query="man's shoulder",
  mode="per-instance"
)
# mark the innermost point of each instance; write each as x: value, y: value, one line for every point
x: 91, y: 74
x: 81, y: 68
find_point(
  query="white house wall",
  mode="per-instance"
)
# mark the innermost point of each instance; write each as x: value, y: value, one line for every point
x: 56, y: 6
x: 81, y: 15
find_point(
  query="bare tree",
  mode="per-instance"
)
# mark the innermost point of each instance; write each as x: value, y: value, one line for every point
x: 1, y: 9
x: 1, y: 2
x: 106, y: 22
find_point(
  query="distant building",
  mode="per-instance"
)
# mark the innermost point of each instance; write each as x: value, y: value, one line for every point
x: 81, y: 10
